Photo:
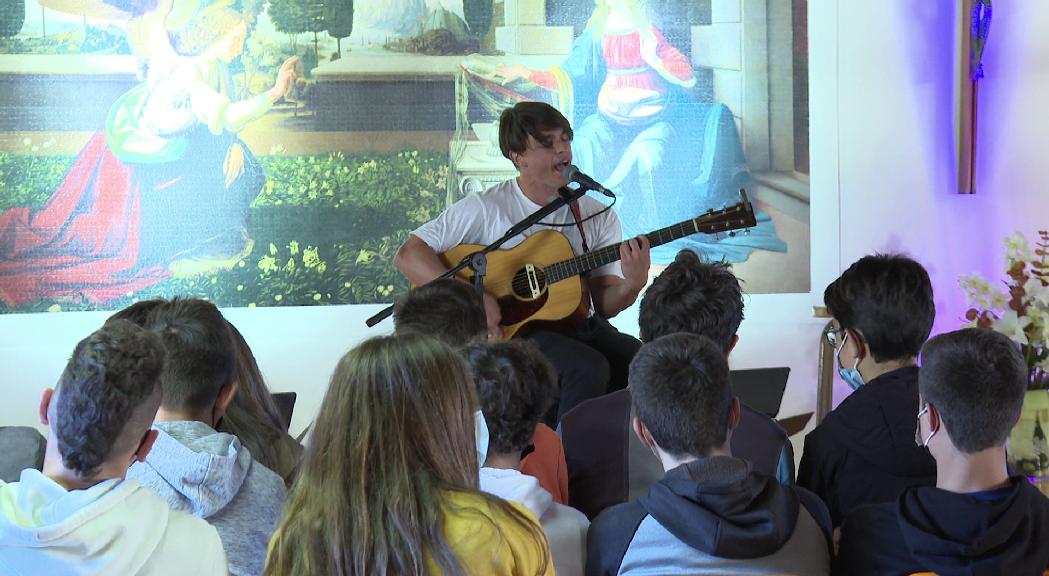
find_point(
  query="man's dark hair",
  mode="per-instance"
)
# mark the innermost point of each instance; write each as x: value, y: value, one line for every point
x: 137, y: 313
x: 108, y: 386
x: 516, y: 386
x: 681, y: 392
x: 446, y: 309
x: 888, y: 299
x: 976, y: 378
x: 526, y: 119
x: 695, y: 297
x: 200, y: 351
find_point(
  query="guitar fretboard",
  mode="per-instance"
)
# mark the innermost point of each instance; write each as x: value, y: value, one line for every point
x: 598, y: 258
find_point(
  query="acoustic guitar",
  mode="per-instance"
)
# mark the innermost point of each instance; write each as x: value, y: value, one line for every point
x: 538, y: 285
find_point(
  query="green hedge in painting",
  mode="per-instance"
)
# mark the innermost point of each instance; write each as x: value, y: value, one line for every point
x: 325, y: 228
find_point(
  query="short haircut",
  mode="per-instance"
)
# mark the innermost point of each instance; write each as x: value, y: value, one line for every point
x: 695, y: 297
x: 888, y: 299
x: 137, y: 313
x: 106, y: 397
x: 976, y: 378
x: 681, y: 392
x: 201, y: 355
x: 446, y: 309
x: 516, y: 385
x: 526, y: 119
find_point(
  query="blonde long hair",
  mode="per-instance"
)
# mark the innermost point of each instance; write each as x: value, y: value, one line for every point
x: 394, y: 435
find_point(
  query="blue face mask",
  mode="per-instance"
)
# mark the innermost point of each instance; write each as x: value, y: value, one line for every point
x: 851, y: 376
x: 481, y: 435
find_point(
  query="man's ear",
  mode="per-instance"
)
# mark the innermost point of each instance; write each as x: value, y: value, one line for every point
x: 732, y: 345
x: 934, y: 418
x: 642, y: 432
x: 225, y: 398
x: 146, y: 445
x: 733, y: 413
x: 45, y: 403
x: 862, y: 350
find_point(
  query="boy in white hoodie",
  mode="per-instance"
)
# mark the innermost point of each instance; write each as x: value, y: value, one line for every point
x: 80, y: 516
x: 195, y: 468
x: 516, y: 386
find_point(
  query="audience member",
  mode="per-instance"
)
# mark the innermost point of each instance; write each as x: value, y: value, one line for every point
x: 253, y: 417
x: 977, y: 520
x: 862, y: 453
x: 607, y: 464
x: 453, y: 312
x: 517, y: 385
x: 389, y: 481
x: 711, y: 513
x: 192, y: 466
x: 447, y: 309
x: 80, y: 515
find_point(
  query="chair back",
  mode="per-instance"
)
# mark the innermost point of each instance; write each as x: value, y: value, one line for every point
x: 21, y: 447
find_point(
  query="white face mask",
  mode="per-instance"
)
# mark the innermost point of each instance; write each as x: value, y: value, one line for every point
x: 481, y: 436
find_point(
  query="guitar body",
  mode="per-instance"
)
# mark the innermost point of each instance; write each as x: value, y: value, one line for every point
x: 516, y: 278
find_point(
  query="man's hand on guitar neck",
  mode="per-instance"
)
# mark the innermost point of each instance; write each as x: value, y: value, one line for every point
x: 612, y: 294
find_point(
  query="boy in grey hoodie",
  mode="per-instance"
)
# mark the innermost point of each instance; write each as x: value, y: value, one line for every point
x: 80, y: 515
x: 711, y: 513
x: 195, y: 468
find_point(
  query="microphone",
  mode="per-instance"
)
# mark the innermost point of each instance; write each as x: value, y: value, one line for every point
x: 572, y: 174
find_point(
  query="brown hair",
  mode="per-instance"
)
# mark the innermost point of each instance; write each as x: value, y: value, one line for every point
x: 526, y: 119
x: 394, y: 436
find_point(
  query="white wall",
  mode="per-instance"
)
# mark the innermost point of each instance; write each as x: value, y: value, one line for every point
x: 881, y: 101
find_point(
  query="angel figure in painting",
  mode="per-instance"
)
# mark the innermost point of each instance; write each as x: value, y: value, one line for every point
x: 642, y: 133
x: 164, y: 189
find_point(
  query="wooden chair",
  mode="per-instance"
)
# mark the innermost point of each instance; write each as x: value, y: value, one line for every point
x: 825, y: 378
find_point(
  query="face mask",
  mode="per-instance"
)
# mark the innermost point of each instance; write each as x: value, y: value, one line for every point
x: 481, y: 436
x: 918, y: 430
x: 851, y: 376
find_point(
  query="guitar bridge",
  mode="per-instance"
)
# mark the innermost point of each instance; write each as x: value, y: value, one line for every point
x: 534, y: 282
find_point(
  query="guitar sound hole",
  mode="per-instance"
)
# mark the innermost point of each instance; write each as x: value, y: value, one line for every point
x: 529, y: 283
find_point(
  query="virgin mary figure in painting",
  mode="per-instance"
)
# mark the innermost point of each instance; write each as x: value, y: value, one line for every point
x: 641, y: 132
x: 164, y: 189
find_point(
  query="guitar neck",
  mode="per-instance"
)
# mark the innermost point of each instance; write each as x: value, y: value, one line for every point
x: 608, y: 254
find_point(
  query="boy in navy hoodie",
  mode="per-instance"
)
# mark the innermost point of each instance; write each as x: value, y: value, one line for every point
x: 977, y: 520
x: 711, y: 513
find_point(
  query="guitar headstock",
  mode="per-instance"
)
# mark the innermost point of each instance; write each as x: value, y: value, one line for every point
x: 735, y: 217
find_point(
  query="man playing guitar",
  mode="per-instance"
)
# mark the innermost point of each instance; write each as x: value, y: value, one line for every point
x: 592, y: 358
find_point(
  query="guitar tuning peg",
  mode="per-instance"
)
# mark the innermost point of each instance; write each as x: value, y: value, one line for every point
x: 732, y: 234
x: 746, y: 232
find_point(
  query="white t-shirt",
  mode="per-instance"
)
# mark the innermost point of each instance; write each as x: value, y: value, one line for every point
x: 483, y: 218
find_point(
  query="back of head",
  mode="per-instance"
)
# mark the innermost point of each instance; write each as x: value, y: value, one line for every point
x: 695, y: 297
x: 447, y: 309
x: 976, y: 378
x: 394, y: 430
x: 526, y: 119
x: 137, y: 313
x: 888, y: 299
x: 107, y: 396
x: 516, y: 385
x: 681, y: 393
x: 200, y: 353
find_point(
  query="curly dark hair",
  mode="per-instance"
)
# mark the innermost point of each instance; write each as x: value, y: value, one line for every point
x: 109, y: 382
x: 516, y: 386
x: 450, y: 310
x: 888, y: 299
x: 695, y: 297
x: 680, y: 389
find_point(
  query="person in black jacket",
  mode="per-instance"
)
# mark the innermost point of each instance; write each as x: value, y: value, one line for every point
x: 977, y: 520
x: 862, y: 452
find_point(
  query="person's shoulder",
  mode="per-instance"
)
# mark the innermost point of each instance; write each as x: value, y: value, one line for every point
x: 620, y: 520
x: 266, y: 484
x: 192, y: 544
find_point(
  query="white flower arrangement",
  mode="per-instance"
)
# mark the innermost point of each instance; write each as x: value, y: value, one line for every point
x: 1021, y: 310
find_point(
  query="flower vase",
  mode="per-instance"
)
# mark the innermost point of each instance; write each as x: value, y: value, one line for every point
x: 1028, y: 445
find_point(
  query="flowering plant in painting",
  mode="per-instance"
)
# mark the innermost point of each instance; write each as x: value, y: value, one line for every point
x: 1020, y: 309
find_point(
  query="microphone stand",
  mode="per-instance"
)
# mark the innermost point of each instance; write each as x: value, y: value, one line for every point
x: 478, y: 261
